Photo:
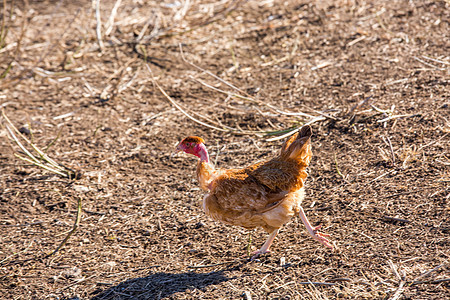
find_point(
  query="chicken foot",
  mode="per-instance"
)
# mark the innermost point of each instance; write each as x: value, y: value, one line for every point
x: 314, y: 231
x: 265, y: 248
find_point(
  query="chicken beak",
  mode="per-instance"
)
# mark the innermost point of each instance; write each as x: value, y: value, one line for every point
x: 177, y: 150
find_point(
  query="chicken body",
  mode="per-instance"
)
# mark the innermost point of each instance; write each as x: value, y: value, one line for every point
x: 263, y: 195
x: 246, y: 198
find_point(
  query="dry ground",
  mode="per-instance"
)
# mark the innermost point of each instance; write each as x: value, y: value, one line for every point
x: 374, y: 76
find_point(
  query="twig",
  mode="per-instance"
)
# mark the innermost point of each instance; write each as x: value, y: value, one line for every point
x: 437, y: 281
x: 357, y: 40
x: 363, y: 234
x: 397, y: 81
x: 338, y: 279
x: 144, y: 29
x: 394, y: 269
x: 392, y: 150
x: 181, y: 13
x: 77, y: 282
x: 382, y: 175
x: 22, y: 225
x: 284, y: 285
x: 224, y: 129
x: 428, y: 64
x: 118, y: 88
x: 217, y: 155
x: 322, y: 65
x: 75, y: 227
x: 409, y: 192
x: 249, y: 244
x: 110, y: 24
x: 416, y: 280
x: 218, y: 264
x: 317, y: 283
x: 99, y: 25
x: 224, y: 92
x: 436, y: 60
x: 54, y: 140
x: 396, y: 219
x: 399, y: 291
x: 337, y: 169
x: 276, y: 61
x: 208, y: 72
x: 396, y: 117
x: 381, y: 111
x: 432, y: 142
x: 179, y: 107
x: 17, y: 253
x: 296, y: 113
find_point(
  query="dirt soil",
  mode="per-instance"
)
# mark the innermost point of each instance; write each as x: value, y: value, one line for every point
x: 372, y: 77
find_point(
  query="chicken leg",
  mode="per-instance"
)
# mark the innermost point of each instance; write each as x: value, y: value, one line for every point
x: 266, y: 246
x: 313, y: 231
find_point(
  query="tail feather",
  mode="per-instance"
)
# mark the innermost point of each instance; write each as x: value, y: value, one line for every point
x: 306, y: 131
x: 298, y: 146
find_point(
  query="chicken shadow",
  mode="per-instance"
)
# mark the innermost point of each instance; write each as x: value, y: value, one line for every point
x: 160, y: 285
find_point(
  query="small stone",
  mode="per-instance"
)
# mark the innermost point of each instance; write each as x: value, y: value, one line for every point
x: 73, y: 272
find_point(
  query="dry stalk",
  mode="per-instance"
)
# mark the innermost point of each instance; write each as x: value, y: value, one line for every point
x: 428, y: 64
x: 41, y: 160
x: 399, y: 291
x: 4, y: 29
x: 110, y: 24
x: 4, y: 32
x: 427, y: 273
x: 316, y: 283
x: 174, y: 103
x: 402, y: 280
x: 437, y: 281
x: 239, y: 94
x: 180, y: 108
x: 182, y: 12
x: 392, y: 219
x: 99, y: 25
x: 30, y: 70
x: 211, y: 74
x: 17, y: 253
x: 74, y: 228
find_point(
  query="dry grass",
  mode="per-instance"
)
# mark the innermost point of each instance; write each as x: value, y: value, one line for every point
x: 371, y: 76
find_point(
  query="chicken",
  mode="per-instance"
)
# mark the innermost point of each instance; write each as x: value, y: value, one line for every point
x: 266, y: 194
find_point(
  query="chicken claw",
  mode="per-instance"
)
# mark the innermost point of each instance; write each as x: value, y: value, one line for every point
x: 258, y: 253
x: 321, y: 237
x: 314, y: 231
x: 265, y: 248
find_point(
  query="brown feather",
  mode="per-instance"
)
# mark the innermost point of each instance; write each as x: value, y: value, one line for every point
x: 263, y: 195
x: 193, y: 139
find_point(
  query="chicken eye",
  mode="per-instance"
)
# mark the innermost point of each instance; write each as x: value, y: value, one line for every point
x: 188, y: 144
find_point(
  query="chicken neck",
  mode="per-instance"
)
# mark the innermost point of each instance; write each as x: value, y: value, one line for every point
x: 201, y: 152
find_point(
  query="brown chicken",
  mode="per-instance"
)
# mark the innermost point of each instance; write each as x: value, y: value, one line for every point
x: 266, y: 194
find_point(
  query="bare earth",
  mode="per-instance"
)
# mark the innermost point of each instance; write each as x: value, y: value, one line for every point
x: 372, y: 76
